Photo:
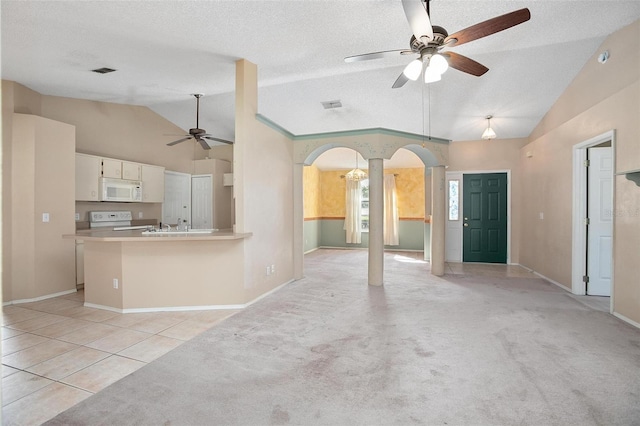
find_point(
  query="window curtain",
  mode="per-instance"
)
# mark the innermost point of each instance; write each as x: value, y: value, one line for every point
x: 391, y: 221
x: 353, y: 218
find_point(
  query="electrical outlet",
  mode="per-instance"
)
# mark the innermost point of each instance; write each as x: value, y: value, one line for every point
x: 45, y: 217
x: 273, y: 269
x: 115, y: 283
x: 268, y: 270
x: 140, y: 215
x: 77, y: 216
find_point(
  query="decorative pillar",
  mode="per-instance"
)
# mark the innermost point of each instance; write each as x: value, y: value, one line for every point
x: 438, y: 212
x: 298, y: 221
x: 376, y: 221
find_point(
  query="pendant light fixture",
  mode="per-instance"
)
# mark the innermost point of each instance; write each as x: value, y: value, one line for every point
x: 488, y: 132
x: 356, y: 174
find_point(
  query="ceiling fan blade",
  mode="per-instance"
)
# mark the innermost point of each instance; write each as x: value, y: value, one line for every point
x: 375, y: 55
x: 218, y: 139
x: 491, y: 26
x: 178, y: 141
x: 418, y: 19
x: 464, y: 64
x: 203, y: 143
x: 400, y: 81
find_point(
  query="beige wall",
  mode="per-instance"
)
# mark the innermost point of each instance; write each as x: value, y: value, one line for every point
x: 263, y: 168
x: 497, y: 154
x: 601, y: 98
x: 43, y: 176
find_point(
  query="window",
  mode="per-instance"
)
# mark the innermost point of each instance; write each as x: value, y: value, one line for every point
x: 364, y: 205
x: 454, y: 199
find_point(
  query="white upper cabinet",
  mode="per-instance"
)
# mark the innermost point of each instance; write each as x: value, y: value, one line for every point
x: 111, y: 168
x: 88, y: 170
x: 131, y: 171
x: 152, y: 184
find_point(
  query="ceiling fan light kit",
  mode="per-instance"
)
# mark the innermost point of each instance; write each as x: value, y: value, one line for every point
x: 488, y: 133
x: 428, y: 40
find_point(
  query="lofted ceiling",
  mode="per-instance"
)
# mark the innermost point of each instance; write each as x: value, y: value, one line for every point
x: 164, y: 51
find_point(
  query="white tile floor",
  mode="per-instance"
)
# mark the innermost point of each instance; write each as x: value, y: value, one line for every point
x: 56, y: 352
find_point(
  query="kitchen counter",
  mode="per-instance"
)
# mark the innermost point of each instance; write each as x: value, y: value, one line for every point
x: 128, y: 271
x: 137, y: 235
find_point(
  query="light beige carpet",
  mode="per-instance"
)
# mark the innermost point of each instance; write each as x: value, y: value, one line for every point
x: 459, y: 350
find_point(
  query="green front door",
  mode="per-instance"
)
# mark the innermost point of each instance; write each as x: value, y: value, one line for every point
x: 484, y: 205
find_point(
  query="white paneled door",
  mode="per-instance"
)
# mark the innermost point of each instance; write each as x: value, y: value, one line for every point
x: 177, y: 197
x: 600, y: 214
x: 202, y: 202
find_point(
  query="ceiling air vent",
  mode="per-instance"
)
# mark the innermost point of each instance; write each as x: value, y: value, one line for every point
x: 103, y: 70
x: 332, y: 104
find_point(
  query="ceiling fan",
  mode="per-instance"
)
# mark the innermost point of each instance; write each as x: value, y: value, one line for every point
x: 200, y: 135
x: 428, y: 40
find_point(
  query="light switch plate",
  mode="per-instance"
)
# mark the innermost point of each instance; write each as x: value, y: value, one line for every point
x: 77, y: 216
x: 45, y: 217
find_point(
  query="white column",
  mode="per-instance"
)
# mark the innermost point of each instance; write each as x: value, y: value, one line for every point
x: 298, y: 222
x: 376, y: 218
x: 438, y: 211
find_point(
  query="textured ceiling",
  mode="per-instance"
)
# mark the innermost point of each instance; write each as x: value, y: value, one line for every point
x: 166, y: 50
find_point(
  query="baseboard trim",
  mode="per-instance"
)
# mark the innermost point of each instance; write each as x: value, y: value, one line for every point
x: 367, y: 248
x: 567, y: 289
x: 186, y: 308
x: 311, y: 251
x: 627, y: 320
x: 39, y: 298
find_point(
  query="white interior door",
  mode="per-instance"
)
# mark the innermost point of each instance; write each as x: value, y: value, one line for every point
x: 177, y: 197
x: 202, y: 201
x: 600, y: 228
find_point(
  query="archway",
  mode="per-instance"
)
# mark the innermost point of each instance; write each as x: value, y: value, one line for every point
x: 433, y: 153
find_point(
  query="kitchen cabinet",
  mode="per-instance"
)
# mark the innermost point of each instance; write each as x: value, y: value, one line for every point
x: 88, y: 169
x: 111, y: 168
x: 131, y: 171
x: 152, y: 183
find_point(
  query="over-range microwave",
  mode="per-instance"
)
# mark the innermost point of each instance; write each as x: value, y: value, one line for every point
x: 121, y: 190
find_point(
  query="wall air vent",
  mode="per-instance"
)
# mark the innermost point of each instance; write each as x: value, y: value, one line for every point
x: 332, y: 104
x: 103, y: 70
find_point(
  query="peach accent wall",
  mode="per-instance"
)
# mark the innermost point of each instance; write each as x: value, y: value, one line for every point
x: 409, y: 185
x: 497, y: 154
x: 332, y: 195
x: 601, y: 98
x: 410, y: 188
x: 311, y: 185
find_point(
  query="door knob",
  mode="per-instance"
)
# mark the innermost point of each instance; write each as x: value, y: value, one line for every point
x: 466, y: 224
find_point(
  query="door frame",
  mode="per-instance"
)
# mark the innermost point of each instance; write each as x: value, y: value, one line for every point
x: 459, y: 175
x: 579, y: 234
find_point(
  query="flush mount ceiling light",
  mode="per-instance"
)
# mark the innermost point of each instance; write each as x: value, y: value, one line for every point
x: 488, y: 132
x: 103, y: 70
x: 356, y: 174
